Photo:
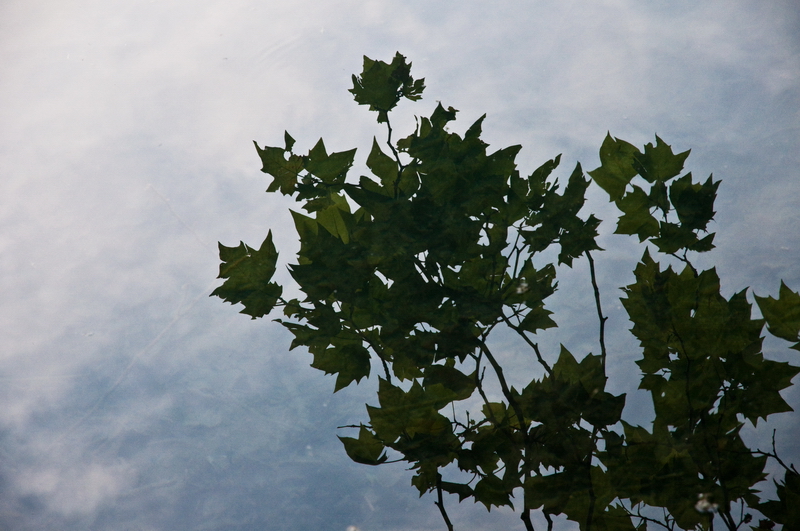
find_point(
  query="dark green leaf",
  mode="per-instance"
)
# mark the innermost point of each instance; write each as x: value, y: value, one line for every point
x: 637, y: 218
x: 693, y: 202
x: 350, y: 362
x: 782, y: 314
x: 289, y: 141
x: 463, y: 491
x: 616, y: 166
x: 248, y: 273
x: 658, y: 163
x: 786, y: 509
x: 381, y: 85
x: 367, y: 449
x: 491, y: 491
x: 332, y: 168
x: 284, y: 171
x: 382, y: 165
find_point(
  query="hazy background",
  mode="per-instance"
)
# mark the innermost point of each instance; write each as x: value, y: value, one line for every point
x: 132, y: 400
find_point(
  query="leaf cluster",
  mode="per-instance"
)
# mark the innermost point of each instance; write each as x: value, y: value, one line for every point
x: 406, y: 272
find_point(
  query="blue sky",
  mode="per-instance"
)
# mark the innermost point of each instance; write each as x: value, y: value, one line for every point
x: 132, y: 400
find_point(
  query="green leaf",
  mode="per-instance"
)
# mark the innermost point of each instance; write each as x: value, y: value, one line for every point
x: 491, y: 491
x: 382, y: 165
x: 674, y: 237
x: 537, y: 319
x: 616, y: 166
x: 248, y: 273
x: 782, y: 314
x: 659, y: 164
x: 332, y: 219
x: 453, y: 379
x: 350, y: 362
x: 367, y: 449
x: 332, y: 168
x: 288, y: 140
x: 284, y: 171
x: 786, y: 509
x: 463, y: 491
x: 306, y: 226
x: 381, y: 85
x: 637, y: 218
x: 694, y: 203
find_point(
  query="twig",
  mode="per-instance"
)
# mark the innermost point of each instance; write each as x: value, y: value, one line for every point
x: 400, y: 165
x: 534, y: 346
x: 440, y: 503
x: 600, y: 315
x: 685, y: 261
x: 526, y: 519
x: 549, y: 520
x: 506, y: 391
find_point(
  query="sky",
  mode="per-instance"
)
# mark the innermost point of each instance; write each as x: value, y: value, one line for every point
x: 132, y: 400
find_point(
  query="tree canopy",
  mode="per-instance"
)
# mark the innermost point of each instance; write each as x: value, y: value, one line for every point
x: 406, y: 273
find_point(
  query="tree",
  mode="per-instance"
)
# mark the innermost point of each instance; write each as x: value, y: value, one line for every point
x: 410, y: 270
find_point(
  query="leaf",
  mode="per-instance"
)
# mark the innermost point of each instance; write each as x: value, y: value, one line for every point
x: 658, y: 163
x: 284, y: 171
x: 367, y: 449
x: 331, y: 219
x: 382, y: 165
x: 782, y: 314
x: 636, y: 218
x: 674, y: 237
x: 693, y: 202
x: 616, y: 166
x: 537, y: 319
x: 491, y: 490
x: 248, y: 273
x: 381, y: 85
x: 350, y: 362
x: 463, y: 491
x: 288, y: 140
x: 332, y: 168
x: 453, y: 379
x: 786, y: 509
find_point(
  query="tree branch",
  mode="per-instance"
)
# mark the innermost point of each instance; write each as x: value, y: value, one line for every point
x: 440, y: 503
x: 400, y: 165
x: 534, y: 346
x: 600, y: 315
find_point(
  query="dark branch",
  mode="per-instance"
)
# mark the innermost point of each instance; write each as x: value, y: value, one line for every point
x: 440, y: 503
x: 534, y: 346
x: 600, y: 315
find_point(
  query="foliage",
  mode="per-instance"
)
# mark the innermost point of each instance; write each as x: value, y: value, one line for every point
x: 408, y: 272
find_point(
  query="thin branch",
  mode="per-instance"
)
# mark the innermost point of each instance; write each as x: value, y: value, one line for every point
x: 479, y: 385
x: 400, y: 165
x: 549, y: 520
x: 440, y: 503
x: 534, y: 346
x: 600, y: 315
x: 518, y: 251
x: 592, y: 495
x: 502, y: 379
x: 685, y: 261
x: 774, y: 455
x: 526, y: 519
x: 642, y: 518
